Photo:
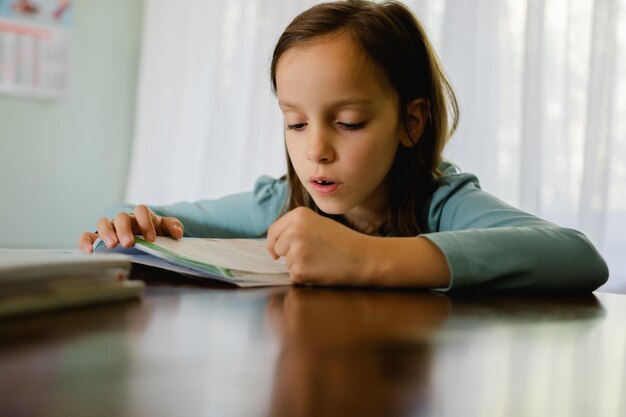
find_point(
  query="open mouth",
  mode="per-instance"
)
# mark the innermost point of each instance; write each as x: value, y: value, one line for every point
x: 324, y: 182
x: 324, y: 187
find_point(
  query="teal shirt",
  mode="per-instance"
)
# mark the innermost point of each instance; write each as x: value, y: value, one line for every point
x: 488, y: 244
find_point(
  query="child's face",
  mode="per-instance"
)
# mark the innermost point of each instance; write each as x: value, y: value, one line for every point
x: 341, y: 126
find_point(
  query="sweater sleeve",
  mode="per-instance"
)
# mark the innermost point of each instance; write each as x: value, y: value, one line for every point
x: 243, y: 215
x: 493, y: 246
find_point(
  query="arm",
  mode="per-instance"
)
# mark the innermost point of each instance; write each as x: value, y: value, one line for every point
x: 240, y: 215
x: 491, y: 245
x: 247, y: 214
x: 321, y: 251
x: 473, y: 240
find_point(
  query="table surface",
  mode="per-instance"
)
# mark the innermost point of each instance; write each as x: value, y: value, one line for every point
x: 191, y: 349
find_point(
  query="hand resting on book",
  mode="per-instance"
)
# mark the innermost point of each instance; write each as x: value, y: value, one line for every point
x: 124, y: 226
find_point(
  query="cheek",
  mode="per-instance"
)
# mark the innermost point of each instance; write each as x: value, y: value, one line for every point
x: 377, y: 156
x: 295, y: 152
x: 292, y: 148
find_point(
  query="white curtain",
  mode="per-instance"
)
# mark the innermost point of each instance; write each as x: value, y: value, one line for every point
x: 541, y: 83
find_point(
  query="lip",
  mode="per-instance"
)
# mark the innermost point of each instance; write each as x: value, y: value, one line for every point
x: 324, y: 190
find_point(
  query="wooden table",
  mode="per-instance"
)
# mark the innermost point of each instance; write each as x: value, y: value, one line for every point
x: 191, y: 350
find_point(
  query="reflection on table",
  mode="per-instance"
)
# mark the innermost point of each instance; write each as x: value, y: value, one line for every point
x: 368, y: 353
x: 191, y: 349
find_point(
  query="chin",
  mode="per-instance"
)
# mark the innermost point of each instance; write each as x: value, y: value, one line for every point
x: 333, y: 209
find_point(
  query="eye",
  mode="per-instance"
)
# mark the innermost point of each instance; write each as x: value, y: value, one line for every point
x: 296, y: 127
x: 352, y: 126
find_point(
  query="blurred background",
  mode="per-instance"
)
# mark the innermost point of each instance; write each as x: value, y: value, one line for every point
x: 171, y: 101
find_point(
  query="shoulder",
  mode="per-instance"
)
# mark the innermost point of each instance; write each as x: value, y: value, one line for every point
x: 266, y: 187
x: 268, y: 198
x: 452, y: 177
x: 459, y: 203
x: 452, y: 184
x: 269, y: 191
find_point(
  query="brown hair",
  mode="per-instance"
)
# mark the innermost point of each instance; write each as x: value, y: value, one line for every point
x: 393, y: 39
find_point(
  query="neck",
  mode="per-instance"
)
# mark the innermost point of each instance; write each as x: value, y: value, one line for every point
x: 368, y: 222
x: 372, y: 215
x: 368, y: 227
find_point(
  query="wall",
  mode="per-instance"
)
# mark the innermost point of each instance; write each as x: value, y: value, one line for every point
x: 62, y: 161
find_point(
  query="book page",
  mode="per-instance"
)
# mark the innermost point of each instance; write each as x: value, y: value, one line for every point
x: 236, y: 254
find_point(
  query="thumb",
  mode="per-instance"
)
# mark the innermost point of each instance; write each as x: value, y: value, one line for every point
x: 86, y: 240
x: 173, y: 227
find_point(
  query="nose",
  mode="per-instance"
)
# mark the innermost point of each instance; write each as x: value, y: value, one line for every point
x: 319, y: 149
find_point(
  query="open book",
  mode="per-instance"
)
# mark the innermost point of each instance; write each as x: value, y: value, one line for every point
x: 33, y: 280
x: 243, y: 262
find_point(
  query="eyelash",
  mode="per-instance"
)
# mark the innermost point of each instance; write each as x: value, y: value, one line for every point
x: 296, y: 127
x: 352, y: 126
x: 347, y: 126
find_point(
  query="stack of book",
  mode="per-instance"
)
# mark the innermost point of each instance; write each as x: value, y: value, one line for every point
x: 39, y: 280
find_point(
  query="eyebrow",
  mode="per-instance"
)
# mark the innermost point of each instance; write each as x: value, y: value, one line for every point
x: 334, y: 104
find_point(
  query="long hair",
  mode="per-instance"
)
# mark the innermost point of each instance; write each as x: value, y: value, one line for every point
x: 393, y: 39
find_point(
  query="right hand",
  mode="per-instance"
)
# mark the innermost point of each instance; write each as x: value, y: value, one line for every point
x: 122, y: 229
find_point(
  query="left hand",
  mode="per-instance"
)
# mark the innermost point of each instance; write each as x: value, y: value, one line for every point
x: 319, y: 250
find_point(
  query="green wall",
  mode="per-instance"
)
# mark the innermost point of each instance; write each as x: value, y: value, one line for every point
x: 63, y: 161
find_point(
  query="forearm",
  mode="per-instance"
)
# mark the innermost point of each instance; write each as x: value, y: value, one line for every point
x: 548, y: 258
x: 405, y: 262
x: 233, y: 216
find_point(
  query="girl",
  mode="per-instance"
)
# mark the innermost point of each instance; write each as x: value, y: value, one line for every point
x: 368, y: 200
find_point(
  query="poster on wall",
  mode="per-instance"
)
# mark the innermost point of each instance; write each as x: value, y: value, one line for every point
x: 35, y: 44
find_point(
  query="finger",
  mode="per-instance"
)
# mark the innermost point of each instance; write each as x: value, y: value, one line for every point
x: 274, y: 232
x: 86, y: 240
x: 283, y: 244
x: 172, y: 226
x: 107, y: 232
x: 124, y: 229
x: 146, y: 220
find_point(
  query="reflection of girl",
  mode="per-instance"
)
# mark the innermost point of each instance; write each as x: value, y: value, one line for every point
x: 367, y: 111
x: 354, y: 354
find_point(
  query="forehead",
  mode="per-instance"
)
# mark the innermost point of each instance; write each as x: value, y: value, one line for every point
x: 332, y: 63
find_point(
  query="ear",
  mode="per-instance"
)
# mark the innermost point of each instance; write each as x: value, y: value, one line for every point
x: 417, y: 114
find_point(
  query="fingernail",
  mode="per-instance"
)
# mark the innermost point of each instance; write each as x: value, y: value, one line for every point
x: 86, y: 248
x: 109, y: 241
x: 150, y: 235
x: 127, y: 240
